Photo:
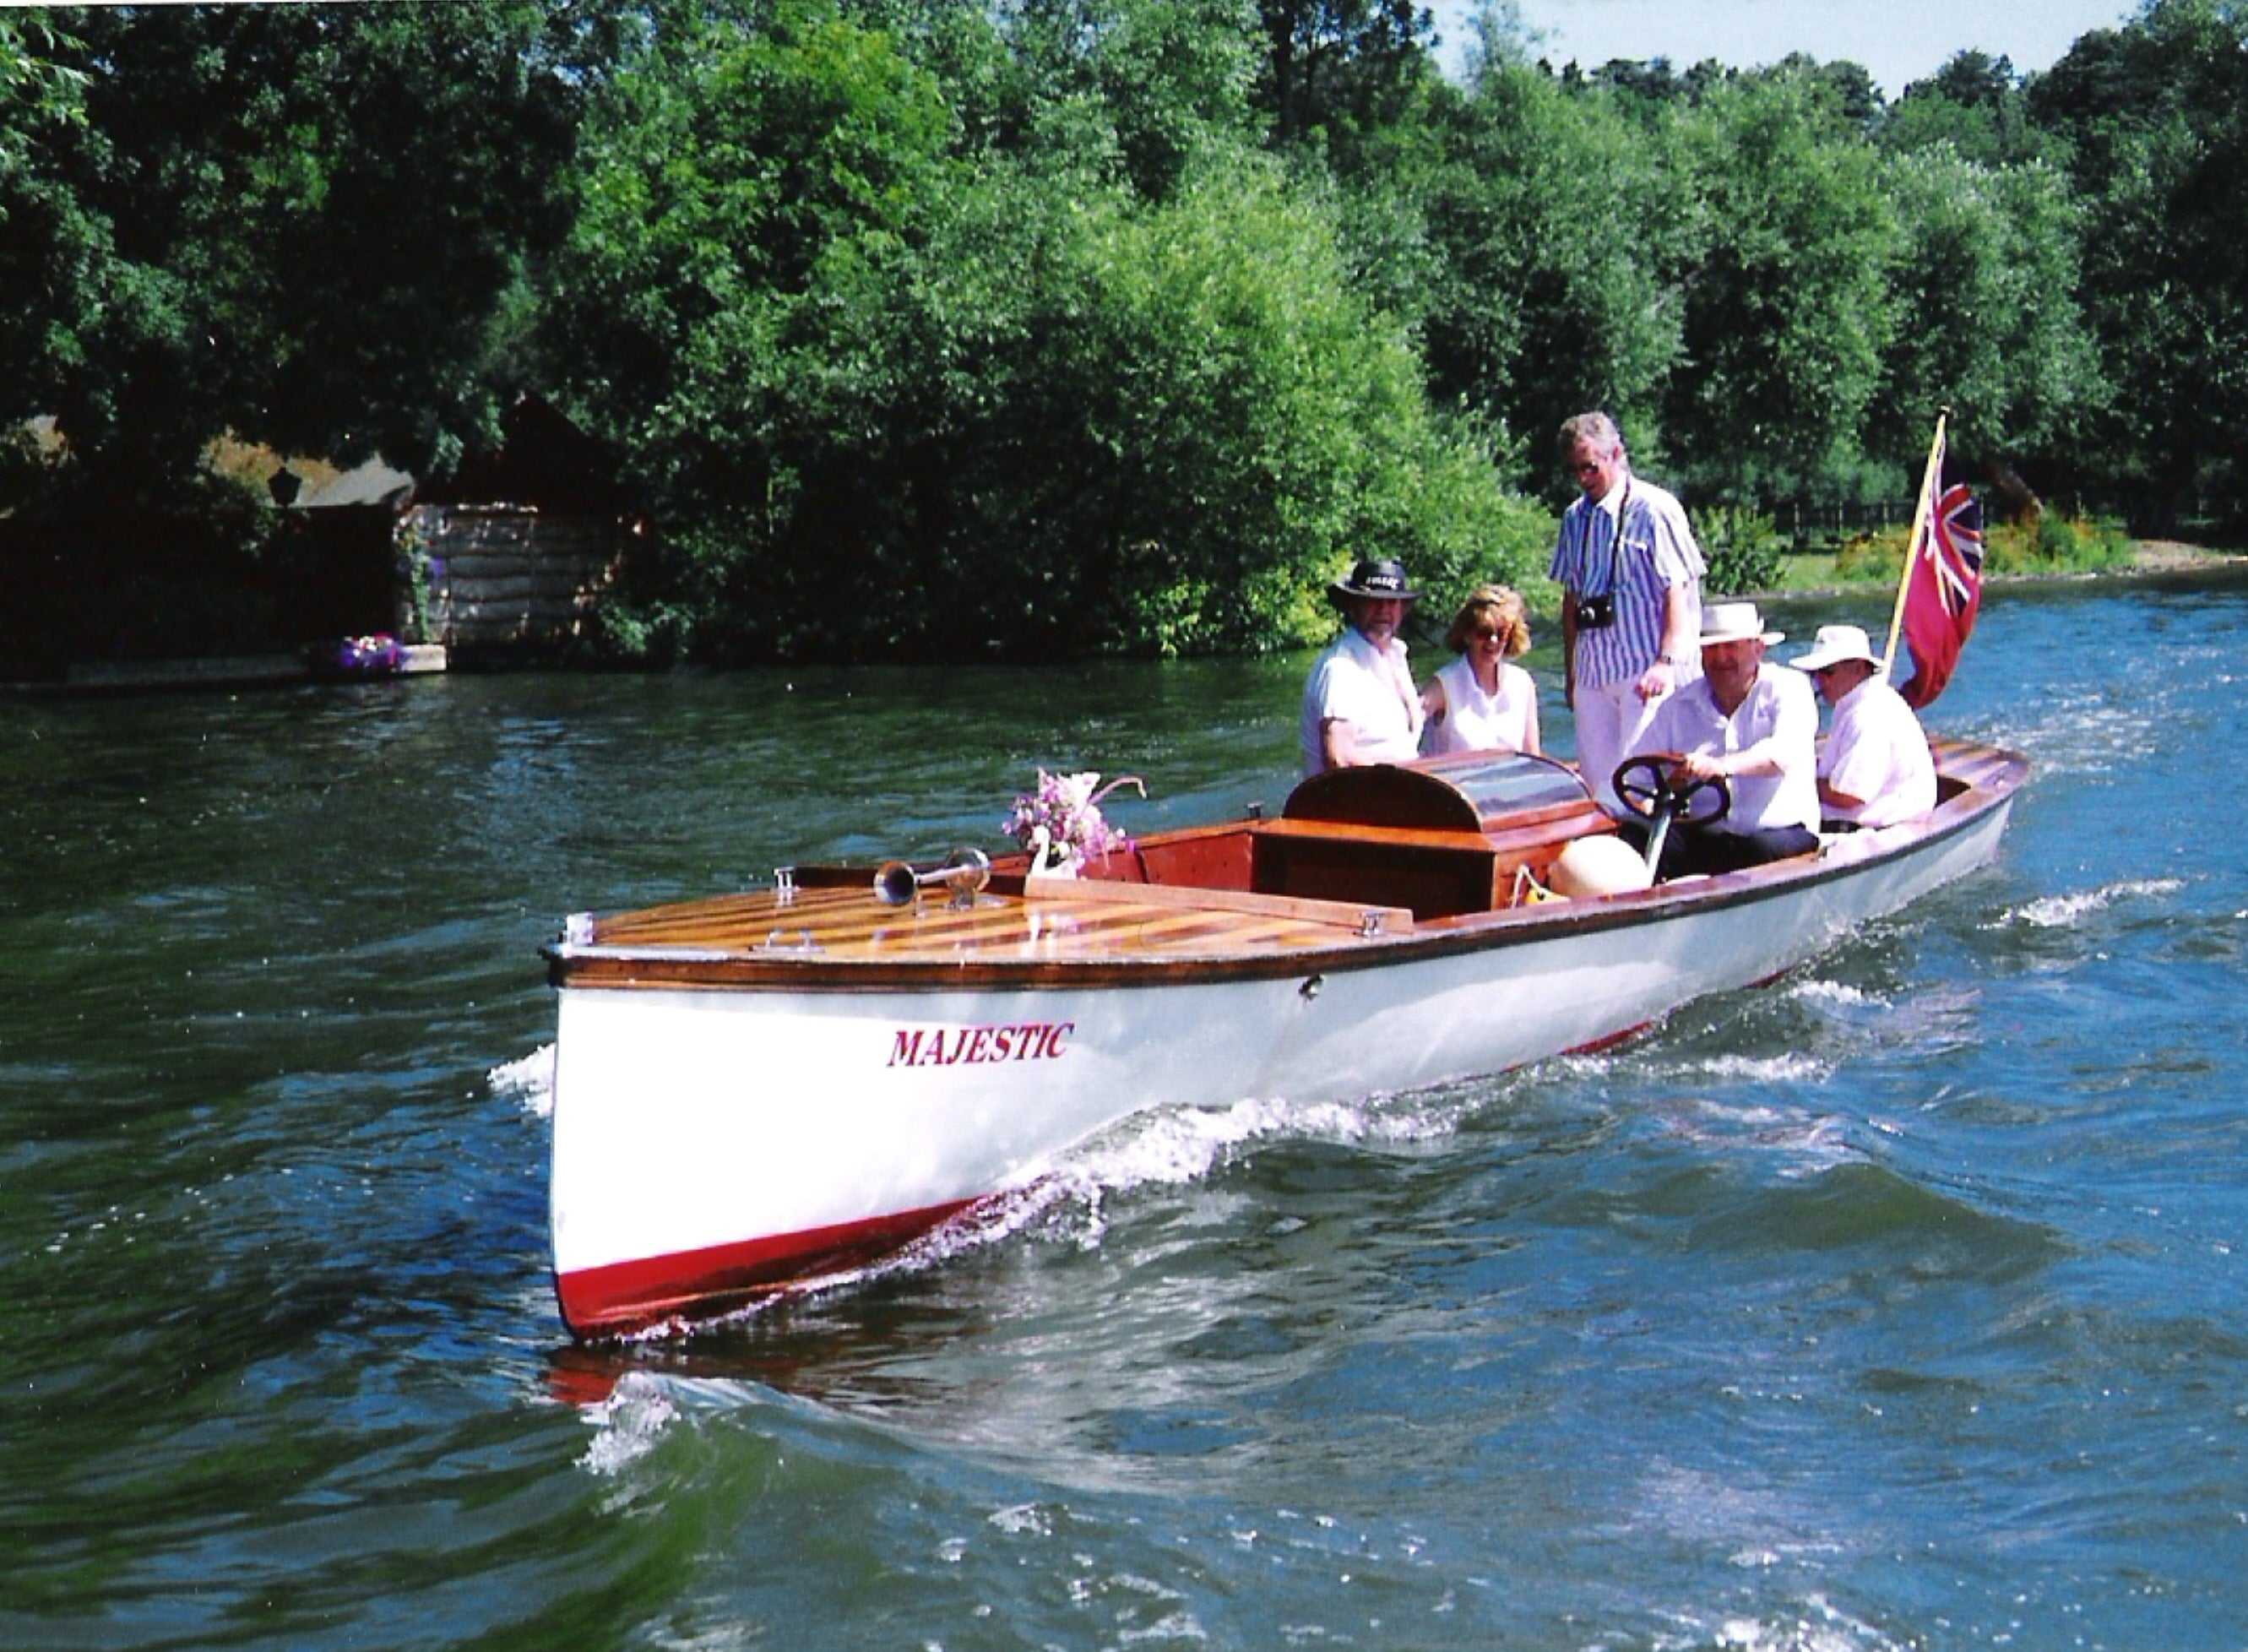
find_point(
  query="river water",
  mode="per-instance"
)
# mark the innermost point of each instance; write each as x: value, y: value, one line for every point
x: 1897, y: 1304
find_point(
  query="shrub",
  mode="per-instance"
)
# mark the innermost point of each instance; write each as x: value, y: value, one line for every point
x: 1743, y: 550
x: 1873, y: 559
x: 2054, y: 544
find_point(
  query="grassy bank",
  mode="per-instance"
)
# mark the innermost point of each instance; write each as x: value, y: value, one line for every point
x: 2056, y: 547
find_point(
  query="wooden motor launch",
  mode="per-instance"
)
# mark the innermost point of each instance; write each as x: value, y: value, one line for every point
x: 756, y: 1091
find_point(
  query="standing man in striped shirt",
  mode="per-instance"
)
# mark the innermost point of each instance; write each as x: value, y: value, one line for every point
x: 1631, y: 608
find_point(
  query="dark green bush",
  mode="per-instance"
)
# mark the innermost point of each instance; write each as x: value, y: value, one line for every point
x: 1743, y: 550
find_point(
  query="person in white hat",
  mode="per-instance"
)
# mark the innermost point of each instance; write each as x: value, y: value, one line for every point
x: 1876, y: 770
x: 1360, y: 702
x: 1754, y: 724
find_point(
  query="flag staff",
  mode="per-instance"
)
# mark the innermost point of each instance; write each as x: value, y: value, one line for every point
x: 1918, y: 542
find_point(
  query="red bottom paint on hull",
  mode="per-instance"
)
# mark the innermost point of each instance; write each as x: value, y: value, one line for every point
x: 625, y: 1297
x: 1610, y: 1040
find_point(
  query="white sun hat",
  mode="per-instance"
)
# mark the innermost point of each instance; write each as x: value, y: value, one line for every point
x: 1735, y: 622
x: 1832, y: 645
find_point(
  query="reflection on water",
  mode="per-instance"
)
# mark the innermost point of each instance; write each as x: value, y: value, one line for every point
x: 1894, y: 1305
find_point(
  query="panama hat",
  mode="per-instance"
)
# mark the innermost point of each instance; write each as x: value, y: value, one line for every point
x: 1377, y: 577
x: 1832, y: 645
x: 1735, y: 622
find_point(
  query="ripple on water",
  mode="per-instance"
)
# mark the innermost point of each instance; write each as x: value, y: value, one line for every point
x: 1863, y: 1205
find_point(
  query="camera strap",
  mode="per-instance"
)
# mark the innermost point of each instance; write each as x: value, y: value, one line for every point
x: 1615, y: 540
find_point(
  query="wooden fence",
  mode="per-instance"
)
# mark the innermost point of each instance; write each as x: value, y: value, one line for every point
x: 504, y: 580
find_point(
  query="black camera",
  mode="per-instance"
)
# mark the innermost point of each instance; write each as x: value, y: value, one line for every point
x: 1596, y: 614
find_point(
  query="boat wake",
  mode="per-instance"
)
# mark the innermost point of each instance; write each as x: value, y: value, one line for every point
x: 2060, y: 911
x: 529, y: 1080
x: 627, y: 1423
x: 1067, y: 1200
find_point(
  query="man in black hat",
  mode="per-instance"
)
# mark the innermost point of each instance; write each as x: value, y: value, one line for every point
x: 1360, y: 705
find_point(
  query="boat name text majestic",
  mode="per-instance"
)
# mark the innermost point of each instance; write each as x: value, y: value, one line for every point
x: 1005, y: 1041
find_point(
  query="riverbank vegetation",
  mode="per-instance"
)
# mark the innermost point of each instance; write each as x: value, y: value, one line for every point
x: 1081, y: 326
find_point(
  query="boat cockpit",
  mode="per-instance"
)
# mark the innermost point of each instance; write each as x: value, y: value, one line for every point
x: 1441, y: 838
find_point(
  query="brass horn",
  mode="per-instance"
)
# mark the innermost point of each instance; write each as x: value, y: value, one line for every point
x: 964, y: 871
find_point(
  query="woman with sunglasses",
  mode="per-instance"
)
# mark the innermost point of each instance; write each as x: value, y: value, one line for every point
x: 1480, y: 703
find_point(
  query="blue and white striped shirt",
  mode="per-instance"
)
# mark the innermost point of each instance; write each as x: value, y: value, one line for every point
x: 1658, y: 552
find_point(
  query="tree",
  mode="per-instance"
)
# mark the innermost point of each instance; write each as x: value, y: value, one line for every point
x: 1787, y: 308
x: 1342, y: 69
x: 1552, y: 221
x: 1974, y: 103
x: 1162, y: 80
x: 403, y: 153
x: 860, y: 356
x: 1985, y: 285
x: 2154, y: 119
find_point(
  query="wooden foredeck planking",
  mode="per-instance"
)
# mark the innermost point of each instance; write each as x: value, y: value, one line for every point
x: 849, y: 924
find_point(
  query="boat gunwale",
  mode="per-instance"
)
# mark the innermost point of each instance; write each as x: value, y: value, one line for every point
x: 582, y: 967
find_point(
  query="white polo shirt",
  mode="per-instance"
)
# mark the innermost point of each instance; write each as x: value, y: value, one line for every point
x: 1877, y: 751
x: 1370, y: 689
x: 1779, y: 707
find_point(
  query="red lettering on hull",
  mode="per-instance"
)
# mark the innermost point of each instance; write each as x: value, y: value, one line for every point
x: 980, y: 1046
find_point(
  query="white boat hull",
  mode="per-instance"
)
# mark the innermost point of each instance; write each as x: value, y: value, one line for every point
x: 710, y: 1145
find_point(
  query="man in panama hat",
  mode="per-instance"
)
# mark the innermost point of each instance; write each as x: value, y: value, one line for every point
x: 1875, y: 769
x: 1754, y: 724
x: 1360, y: 703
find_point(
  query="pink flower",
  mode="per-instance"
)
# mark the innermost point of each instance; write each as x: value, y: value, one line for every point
x: 1067, y: 807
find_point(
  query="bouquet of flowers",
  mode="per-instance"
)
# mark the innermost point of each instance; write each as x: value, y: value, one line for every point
x: 1060, y: 823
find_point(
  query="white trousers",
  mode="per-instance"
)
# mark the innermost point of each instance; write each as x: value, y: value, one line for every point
x: 1610, y: 722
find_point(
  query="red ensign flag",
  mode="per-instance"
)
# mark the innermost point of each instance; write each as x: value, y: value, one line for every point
x: 1943, y: 590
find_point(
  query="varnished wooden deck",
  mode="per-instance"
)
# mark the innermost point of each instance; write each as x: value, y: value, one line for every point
x: 1060, y: 920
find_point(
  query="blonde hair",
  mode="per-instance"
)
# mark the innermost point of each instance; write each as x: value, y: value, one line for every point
x: 1508, y: 617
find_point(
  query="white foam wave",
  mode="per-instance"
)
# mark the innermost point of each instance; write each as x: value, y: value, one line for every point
x: 1837, y: 992
x: 1819, y: 1626
x: 1168, y: 1147
x: 2081, y: 734
x: 2059, y: 911
x: 628, y: 1423
x: 530, y: 1079
x: 1812, y: 1141
x: 1767, y: 1069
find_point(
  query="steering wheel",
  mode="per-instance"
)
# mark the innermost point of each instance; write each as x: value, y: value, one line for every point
x: 1648, y: 789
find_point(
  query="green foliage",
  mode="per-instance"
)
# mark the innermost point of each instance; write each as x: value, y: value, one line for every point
x: 294, y: 224
x: 1743, y: 549
x: 1983, y: 275
x: 2154, y: 119
x: 1873, y: 559
x: 2051, y: 543
x: 1554, y: 294
x: 2044, y: 543
x: 1063, y: 416
x: 1974, y: 105
x: 1073, y: 325
x: 1788, y: 311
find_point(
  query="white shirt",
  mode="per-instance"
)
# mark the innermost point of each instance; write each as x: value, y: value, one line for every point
x: 1371, y: 689
x: 1780, y: 707
x: 1876, y: 750
x: 1474, y: 721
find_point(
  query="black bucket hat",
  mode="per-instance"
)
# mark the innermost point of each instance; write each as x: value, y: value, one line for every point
x: 1376, y: 577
